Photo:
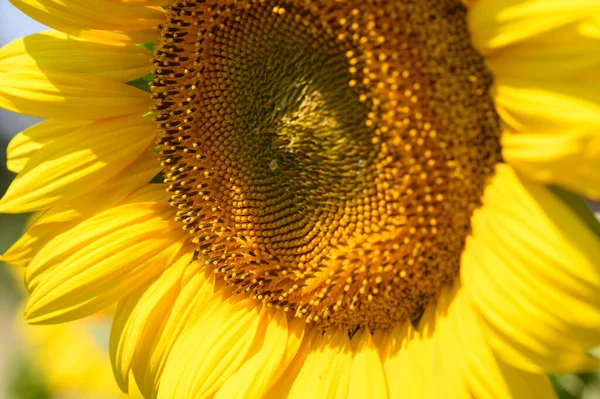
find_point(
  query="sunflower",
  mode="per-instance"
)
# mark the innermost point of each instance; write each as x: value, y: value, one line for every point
x: 314, y: 198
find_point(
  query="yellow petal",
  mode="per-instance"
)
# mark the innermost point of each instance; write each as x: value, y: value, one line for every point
x: 423, y: 346
x: 129, y: 181
x: 553, y: 131
x: 144, y: 2
x: 326, y: 369
x: 102, y: 260
x: 148, y: 193
x: 569, y: 52
x: 543, y: 56
x: 67, y: 214
x: 59, y: 52
x: 64, y: 95
x: 296, y: 355
x: 399, y: 361
x: 486, y: 375
x: 23, y: 250
x: 449, y: 357
x: 77, y: 162
x: 367, y: 378
x: 531, y: 268
x: 156, y: 343
x: 136, y: 316
x: 496, y: 24
x: 259, y: 372
x: 27, y: 142
x: 570, y: 159
x: 547, y: 107
x: 204, y: 358
x: 35, y: 271
x: 87, y: 19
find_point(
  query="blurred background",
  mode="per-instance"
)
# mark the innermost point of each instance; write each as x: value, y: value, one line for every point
x: 70, y: 361
x: 13, y: 362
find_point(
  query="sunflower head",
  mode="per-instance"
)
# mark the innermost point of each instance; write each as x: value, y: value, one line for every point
x: 326, y: 157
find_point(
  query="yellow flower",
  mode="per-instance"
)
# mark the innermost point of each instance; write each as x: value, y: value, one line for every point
x: 373, y: 194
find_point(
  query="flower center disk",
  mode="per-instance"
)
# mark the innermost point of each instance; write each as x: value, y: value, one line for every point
x: 326, y: 156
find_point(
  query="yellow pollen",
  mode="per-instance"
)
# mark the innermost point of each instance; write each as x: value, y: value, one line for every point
x: 326, y: 156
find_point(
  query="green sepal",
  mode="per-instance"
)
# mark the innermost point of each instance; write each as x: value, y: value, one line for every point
x: 148, y: 46
x: 142, y: 83
x: 158, y: 179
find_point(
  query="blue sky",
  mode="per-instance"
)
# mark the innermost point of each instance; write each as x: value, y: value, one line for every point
x: 13, y: 23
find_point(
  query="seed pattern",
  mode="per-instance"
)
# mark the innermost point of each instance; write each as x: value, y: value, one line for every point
x: 326, y: 156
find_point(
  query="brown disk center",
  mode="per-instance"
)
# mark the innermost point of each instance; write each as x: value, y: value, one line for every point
x: 326, y: 156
